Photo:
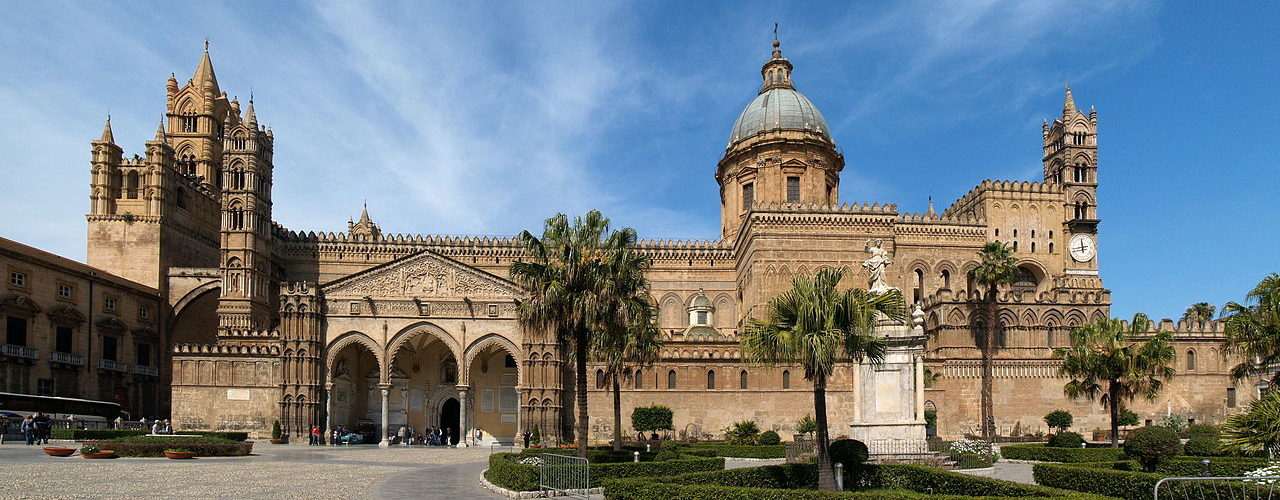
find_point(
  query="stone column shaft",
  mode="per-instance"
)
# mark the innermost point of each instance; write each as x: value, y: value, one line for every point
x: 386, y: 391
x: 465, y: 436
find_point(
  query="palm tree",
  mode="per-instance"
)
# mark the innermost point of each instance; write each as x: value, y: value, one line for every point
x: 1107, y: 359
x: 815, y: 325
x: 1199, y: 312
x: 1256, y: 430
x: 1253, y: 331
x: 998, y: 268
x: 628, y: 335
x: 564, y: 275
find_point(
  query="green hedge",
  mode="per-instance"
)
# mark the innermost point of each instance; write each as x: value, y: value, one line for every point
x: 234, y: 436
x: 82, y: 434
x: 1127, y: 485
x: 204, y: 447
x: 1218, y: 466
x: 796, y: 481
x: 730, y: 450
x: 1044, y: 453
x: 505, y: 471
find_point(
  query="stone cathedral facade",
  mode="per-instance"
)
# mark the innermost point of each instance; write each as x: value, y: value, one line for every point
x: 373, y: 330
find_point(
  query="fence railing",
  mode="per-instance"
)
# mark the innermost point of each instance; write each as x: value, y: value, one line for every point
x: 66, y: 358
x: 1217, y: 488
x: 801, y: 451
x: 115, y: 366
x: 19, y: 351
x: 897, y: 449
x: 565, y: 475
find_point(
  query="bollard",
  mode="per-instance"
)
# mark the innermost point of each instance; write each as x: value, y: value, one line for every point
x: 1204, y: 468
x: 637, y: 456
x: 839, y: 476
x: 646, y: 448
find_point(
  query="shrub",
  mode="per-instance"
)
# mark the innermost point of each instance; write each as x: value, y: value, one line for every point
x: 505, y: 470
x: 1152, y: 445
x: 275, y: 430
x: 1127, y: 418
x: 1202, y: 446
x: 83, y: 434
x: 729, y: 450
x: 1059, y: 419
x: 972, y: 461
x: 769, y: 437
x: 744, y: 432
x: 1127, y: 485
x: 850, y: 452
x: 234, y: 436
x: 89, y: 448
x: 1175, y: 421
x: 536, y: 437
x: 1218, y: 467
x: 1202, y: 430
x: 144, y: 446
x: 167, y: 440
x: 1066, y: 440
x: 651, y: 418
x: 806, y: 425
x: 972, y: 447
x: 1044, y: 453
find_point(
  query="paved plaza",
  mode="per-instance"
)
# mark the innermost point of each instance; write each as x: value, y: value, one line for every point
x: 273, y: 471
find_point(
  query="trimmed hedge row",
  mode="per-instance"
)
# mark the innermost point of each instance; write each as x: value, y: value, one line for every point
x: 85, y: 434
x: 1127, y: 485
x: 505, y: 471
x: 1218, y: 466
x: 203, y: 448
x: 1044, y: 453
x: 796, y: 481
x: 730, y: 450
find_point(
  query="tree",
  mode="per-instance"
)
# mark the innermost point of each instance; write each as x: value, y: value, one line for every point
x: 1256, y: 430
x: 998, y: 267
x: 1199, y: 313
x: 1109, y: 362
x: 627, y: 334
x: 815, y: 325
x: 1059, y: 419
x: 651, y: 418
x: 1253, y: 331
x: 564, y: 275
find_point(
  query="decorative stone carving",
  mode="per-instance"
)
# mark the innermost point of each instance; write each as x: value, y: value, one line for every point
x: 427, y: 275
x: 875, y: 266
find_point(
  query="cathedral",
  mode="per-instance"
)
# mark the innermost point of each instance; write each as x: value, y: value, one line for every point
x: 370, y: 329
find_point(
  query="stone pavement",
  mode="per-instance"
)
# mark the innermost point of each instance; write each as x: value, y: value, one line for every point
x: 1008, y: 471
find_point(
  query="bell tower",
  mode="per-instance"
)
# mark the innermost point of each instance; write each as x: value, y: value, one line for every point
x: 196, y: 113
x: 246, y: 235
x: 1071, y: 161
x: 780, y: 151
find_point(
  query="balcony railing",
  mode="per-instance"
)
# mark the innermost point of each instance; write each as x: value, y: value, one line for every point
x: 115, y: 366
x: 146, y: 370
x: 19, y: 351
x: 66, y: 358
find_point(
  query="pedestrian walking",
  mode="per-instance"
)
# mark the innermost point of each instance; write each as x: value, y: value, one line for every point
x: 315, y: 435
x: 42, y: 424
x: 29, y: 429
x: 4, y: 428
x: 526, y: 437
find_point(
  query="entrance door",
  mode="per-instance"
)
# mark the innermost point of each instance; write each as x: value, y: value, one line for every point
x: 449, y: 418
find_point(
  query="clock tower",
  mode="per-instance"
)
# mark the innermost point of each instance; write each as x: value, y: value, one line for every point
x: 1071, y: 161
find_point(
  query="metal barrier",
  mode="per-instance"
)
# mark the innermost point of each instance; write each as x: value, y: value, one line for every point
x: 1217, y: 488
x: 496, y: 447
x: 563, y: 474
x: 898, y: 449
x: 801, y: 451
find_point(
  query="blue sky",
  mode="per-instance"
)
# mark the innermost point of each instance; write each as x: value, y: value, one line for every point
x: 485, y: 118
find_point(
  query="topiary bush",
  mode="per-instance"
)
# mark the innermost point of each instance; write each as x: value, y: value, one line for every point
x: 769, y: 437
x: 849, y: 452
x: 1152, y: 445
x: 1059, y: 419
x: 1066, y: 440
x: 1202, y: 446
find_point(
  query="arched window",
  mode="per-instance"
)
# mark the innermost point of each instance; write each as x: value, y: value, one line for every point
x: 1050, y: 247
x: 1191, y: 360
x: 1026, y: 280
x: 786, y: 379
x: 970, y: 282
x: 748, y: 195
x: 742, y: 379
x: 671, y: 379
x: 1001, y: 339
x: 919, y: 286
x: 639, y: 379
x: 711, y: 379
x: 600, y: 379
x: 979, y: 334
x: 945, y: 276
x: 131, y: 190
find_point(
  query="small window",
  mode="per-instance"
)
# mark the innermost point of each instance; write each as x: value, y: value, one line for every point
x: 17, y: 279
x: 742, y: 379
x: 1191, y: 360
x: 786, y: 379
x: 109, y: 348
x: 109, y: 303
x: 65, y: 291
x: 671, y: 379
x: 144, y: 312
x: 15, y: 331
x: 793, y: 189
x: 748, y: 195
x: 1231, y: 397
x: 639, y: 380
x: 702, y: 317
x: 600, y: 379
x: 711, y: 379
x: 44, y: 386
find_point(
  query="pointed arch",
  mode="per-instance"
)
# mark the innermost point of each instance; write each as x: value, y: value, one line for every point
x: 420, y: 328
x: 355, y: 337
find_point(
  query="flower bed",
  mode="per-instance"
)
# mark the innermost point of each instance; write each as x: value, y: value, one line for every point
x: 1044, y: 453
x: 797, y: 481
x: 154, y: 446
x: 519, y: 471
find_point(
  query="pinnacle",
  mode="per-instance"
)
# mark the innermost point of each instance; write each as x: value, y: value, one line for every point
x: 106, y: 132
x: 1069, y: 105
x: 160, y: 135
x: 204, y: 73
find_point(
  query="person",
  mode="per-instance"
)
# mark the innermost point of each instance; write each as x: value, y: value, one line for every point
x: 400, y: 435
x: 168, y: 426
x: 315, y: 435
x: 333, y: 437
x: 526, y: 437
x: 42, y: 424
x: 448, y: 436
x: 4, y: 428
x: 29, y: 429
x: 157, y: 427
x: 119, y: 423
x: 143, y: 421
x: 480, y: 434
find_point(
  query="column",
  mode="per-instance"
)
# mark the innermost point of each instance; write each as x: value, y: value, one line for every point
x: 919, y: 362
x: 465, y: 432
x: 386, y: 391
x: 328, y: 412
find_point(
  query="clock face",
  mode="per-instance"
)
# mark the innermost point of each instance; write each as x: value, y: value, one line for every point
x: 1082, y: 248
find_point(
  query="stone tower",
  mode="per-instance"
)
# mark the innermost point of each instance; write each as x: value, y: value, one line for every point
x: 248, y: 291
x: 1071, y: 161
x: 780, y: 151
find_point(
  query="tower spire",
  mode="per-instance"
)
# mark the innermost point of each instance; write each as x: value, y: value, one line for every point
x: 1069, y: 104
x: 160, y: 136
x: 204, y: 75
x: 106, y: 132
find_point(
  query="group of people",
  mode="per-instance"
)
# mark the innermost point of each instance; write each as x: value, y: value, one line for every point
x: 35, y: 428
x: 434, y: 436
x: 159, y: 426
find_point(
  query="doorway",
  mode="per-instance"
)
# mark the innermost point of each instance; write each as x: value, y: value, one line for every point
x: 449, y: 418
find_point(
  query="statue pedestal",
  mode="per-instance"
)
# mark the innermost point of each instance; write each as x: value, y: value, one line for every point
x: 889, y: 399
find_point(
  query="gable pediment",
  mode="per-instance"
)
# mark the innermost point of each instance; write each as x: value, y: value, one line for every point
x: 426, y: 275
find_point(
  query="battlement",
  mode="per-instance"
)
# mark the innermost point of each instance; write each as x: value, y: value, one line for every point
x: 988, y: 186
x: 849, y: 208
x: 1011, y: 297
x: 1186, y: 328
x: 226, y: 350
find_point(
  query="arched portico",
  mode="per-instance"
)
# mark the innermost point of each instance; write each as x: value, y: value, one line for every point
x: 491, y: 406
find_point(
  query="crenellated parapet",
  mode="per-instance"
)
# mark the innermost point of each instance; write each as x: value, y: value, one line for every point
x: 226, y: 350
x: 990, y: 187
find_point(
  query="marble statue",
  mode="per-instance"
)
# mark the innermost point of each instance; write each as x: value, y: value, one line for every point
x: 875, y: 266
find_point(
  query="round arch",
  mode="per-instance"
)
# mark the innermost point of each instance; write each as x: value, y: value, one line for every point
x: 195, y: 294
